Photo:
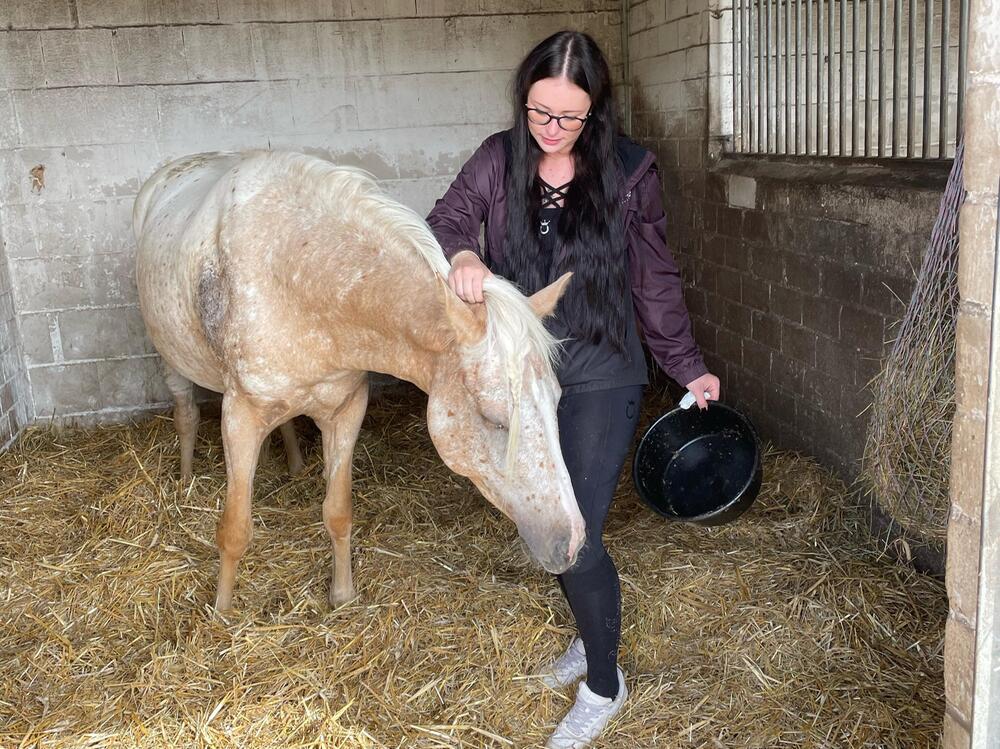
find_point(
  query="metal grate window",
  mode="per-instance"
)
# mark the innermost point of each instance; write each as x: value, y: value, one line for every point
x: 855, y: 78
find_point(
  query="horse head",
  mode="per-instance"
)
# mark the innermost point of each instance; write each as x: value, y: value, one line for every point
x: 492, y: 415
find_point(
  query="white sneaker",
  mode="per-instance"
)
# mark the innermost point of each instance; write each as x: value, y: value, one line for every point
x: 567, y: 669
x: 587, y: 718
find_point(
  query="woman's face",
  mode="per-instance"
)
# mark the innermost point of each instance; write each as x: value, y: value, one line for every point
x: 556, y: 96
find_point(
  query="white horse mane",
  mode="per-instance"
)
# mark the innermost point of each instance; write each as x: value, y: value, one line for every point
x: 512, y: 326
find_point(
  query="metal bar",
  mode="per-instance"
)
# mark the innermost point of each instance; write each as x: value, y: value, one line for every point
x: 808, y: 61
x: 880, y: 152
x: 855, y: 91
x: 747, y: 72
x: 829, y: 80
x: 963, y: 53
x: 767, y: 85
x: 897, y: 39
x: 798, y: 58
x: 925, y: 150
x: 788, y: 80
x: 843, y: 78
x: 777, y: 117
x: 911, y: 78
x: 760, y: 120
x: 868, y: 74
x: 737, y: 132
x: 943, y: 114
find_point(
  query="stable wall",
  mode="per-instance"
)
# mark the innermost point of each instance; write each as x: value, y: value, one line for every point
x: 796, y: 276
x: 95, y: 94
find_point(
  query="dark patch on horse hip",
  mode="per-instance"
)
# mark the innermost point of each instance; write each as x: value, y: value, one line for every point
x: 212, y: 305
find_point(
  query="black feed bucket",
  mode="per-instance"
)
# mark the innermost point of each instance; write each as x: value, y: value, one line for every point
x: 699, y: 466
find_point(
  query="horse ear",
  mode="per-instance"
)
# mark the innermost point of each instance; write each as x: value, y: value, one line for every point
x: 467, y: 321
x: 544, y: 302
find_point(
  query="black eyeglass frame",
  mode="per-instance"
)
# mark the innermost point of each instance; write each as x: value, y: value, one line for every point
x: 558, y: 118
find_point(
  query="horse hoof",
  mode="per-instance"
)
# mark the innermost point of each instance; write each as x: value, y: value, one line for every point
x: 339, y: 599
x: 296, y: 467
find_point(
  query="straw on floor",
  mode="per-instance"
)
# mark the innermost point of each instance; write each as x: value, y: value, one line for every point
x: 782, y: 630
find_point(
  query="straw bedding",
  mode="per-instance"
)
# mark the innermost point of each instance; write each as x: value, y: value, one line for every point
x: 782, y: 630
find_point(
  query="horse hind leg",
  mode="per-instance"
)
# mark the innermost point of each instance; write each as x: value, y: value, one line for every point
x: 295, y: 462
x: 186, y: 416
x: 339, y: 437
x: 243, y: 431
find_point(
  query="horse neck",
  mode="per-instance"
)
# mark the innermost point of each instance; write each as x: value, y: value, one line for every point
x: 382, y: 298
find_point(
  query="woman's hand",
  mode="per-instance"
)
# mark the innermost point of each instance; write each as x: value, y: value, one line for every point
x: 466, y: 276
x: 708, y: 384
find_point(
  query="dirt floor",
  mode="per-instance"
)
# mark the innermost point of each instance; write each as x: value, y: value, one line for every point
x: 785, y: 629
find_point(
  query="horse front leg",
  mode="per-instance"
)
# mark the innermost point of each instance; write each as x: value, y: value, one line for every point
x: 243, y: 431
x: 339, y: 436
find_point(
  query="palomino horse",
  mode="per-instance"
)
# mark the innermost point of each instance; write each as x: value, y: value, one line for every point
x: 280, y: 280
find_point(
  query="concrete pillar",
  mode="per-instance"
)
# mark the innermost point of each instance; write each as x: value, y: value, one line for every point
x: 972, y: 640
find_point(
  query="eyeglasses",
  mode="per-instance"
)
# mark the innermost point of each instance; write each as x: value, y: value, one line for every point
x: 565, y: 121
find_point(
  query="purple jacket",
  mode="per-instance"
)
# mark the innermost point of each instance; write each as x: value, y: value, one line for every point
x: 479, y: 194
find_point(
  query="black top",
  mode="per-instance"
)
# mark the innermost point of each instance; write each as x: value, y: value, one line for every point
x: 584, y: 366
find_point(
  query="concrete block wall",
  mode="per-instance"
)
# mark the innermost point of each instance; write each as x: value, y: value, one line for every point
x: 95, y: 94
x: 14, y: 393
x: 795, y: 279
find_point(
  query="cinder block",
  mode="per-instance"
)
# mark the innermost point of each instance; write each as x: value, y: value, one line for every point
x: 242, y: 11
x: 147, y: 12
x: 351, y: 48
x: 977, y: 232
x: 448, y: 8
x: 82, y: 227
x: 81, y: 57
x: 153, y: 54
x: 416, y: 100
x: 223, y: 115
x: 962, y: 571
x: 691, y: 31
x: 676, y: 9
x: 33, y: 175
x: 102, y: 333
x: 16, y: 231
x: 74, y: 116
x: 959, y: 666
x: 44, y: 283
x: 383, y: 8
x: 62, y: 389
x: 32, y: 14
x: 218, y: 53
x: 36, y: 336
x: 8, y: 121
x: 696, y: 62
x: 430, y: 45
x: 104, y: 172
x: 285, y: 50
x: 136, y: 381
x: 418, y: 194
x: 668, y: 39
x: 20, y: 59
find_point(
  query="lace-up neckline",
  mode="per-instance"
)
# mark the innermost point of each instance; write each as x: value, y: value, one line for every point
x: 553, y: 197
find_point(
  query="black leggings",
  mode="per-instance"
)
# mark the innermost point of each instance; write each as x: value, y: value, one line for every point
x: 596, y: 430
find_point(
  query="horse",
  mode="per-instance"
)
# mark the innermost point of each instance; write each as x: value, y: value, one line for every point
x: 280, y: 280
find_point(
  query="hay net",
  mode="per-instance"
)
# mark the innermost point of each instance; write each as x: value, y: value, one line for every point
x: 907, y: 455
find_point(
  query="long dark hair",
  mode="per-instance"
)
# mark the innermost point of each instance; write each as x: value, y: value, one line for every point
x: 590, y: 225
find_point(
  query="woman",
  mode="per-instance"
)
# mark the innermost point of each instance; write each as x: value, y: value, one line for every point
x: 560, y: 192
